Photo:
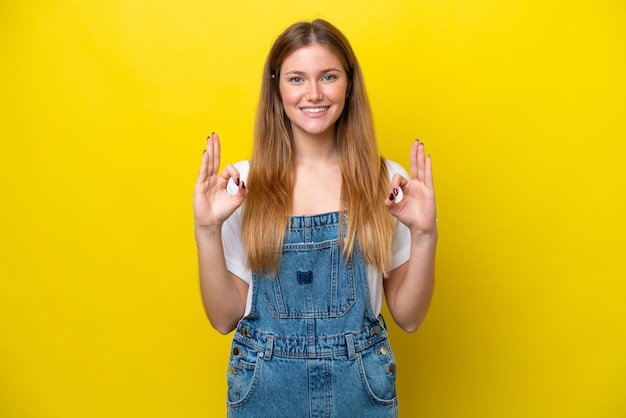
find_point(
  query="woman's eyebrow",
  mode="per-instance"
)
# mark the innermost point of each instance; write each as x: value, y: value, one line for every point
x: 298, y: 72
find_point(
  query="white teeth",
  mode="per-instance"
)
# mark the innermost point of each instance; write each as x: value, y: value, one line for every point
x: 314, y: 109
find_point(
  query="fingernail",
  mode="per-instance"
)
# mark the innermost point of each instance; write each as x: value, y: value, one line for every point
x: 237, y: 181
x: 391, y: 196
x: 203, y: 152
x: 212, y: 134
x: 395, y: 191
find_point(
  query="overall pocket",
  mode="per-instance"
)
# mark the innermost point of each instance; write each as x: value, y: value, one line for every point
x: 313, y: 282
x: 377, y: 367
x: 243, y: 372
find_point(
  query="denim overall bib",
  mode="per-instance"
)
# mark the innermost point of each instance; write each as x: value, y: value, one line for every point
x: 311, y: 345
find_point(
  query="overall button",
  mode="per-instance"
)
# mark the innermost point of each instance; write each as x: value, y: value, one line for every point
x: 377, y: 329
x: 245, y: 332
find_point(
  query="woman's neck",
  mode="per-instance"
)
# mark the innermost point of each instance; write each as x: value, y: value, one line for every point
x: 315, y: 150
x: 317, y: 187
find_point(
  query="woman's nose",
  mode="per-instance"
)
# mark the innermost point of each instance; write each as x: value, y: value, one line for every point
x: 314, y: 93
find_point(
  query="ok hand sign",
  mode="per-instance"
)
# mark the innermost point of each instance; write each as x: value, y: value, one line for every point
x: 416, y: 209
x: 212, y: 204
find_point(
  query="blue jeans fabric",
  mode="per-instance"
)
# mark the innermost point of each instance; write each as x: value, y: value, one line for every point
x: 311, y: 345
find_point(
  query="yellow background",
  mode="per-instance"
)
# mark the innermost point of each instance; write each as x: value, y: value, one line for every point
x: 105, y: 109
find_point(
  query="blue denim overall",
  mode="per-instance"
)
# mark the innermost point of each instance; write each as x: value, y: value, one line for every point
x: 311, y: 345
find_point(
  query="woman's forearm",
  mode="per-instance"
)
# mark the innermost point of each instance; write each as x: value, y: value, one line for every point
x: 223, y: 301
x: 409, y: 288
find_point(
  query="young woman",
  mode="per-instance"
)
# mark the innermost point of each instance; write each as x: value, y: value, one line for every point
x: 296, y: 246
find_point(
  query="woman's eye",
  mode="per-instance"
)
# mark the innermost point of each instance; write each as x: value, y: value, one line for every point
x: 296, y: 80
x: 328, y: 77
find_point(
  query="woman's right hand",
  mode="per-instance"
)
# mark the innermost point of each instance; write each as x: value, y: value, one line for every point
x: 212, y: 204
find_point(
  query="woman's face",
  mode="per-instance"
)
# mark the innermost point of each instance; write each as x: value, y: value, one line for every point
x: 313, y: 86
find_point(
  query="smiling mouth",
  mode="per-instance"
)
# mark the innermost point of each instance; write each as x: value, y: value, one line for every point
x: 315, y: 109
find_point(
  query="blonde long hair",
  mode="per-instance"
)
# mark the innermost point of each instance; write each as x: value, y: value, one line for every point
x: 365, y: 181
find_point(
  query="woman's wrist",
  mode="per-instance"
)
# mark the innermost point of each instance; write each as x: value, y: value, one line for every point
x: 425, y: 237
x: 203, y: 232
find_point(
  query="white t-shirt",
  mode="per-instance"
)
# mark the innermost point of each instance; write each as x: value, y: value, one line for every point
x: 236, y: 257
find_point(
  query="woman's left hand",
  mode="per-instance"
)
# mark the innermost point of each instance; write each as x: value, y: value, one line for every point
x: 416, y: 209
